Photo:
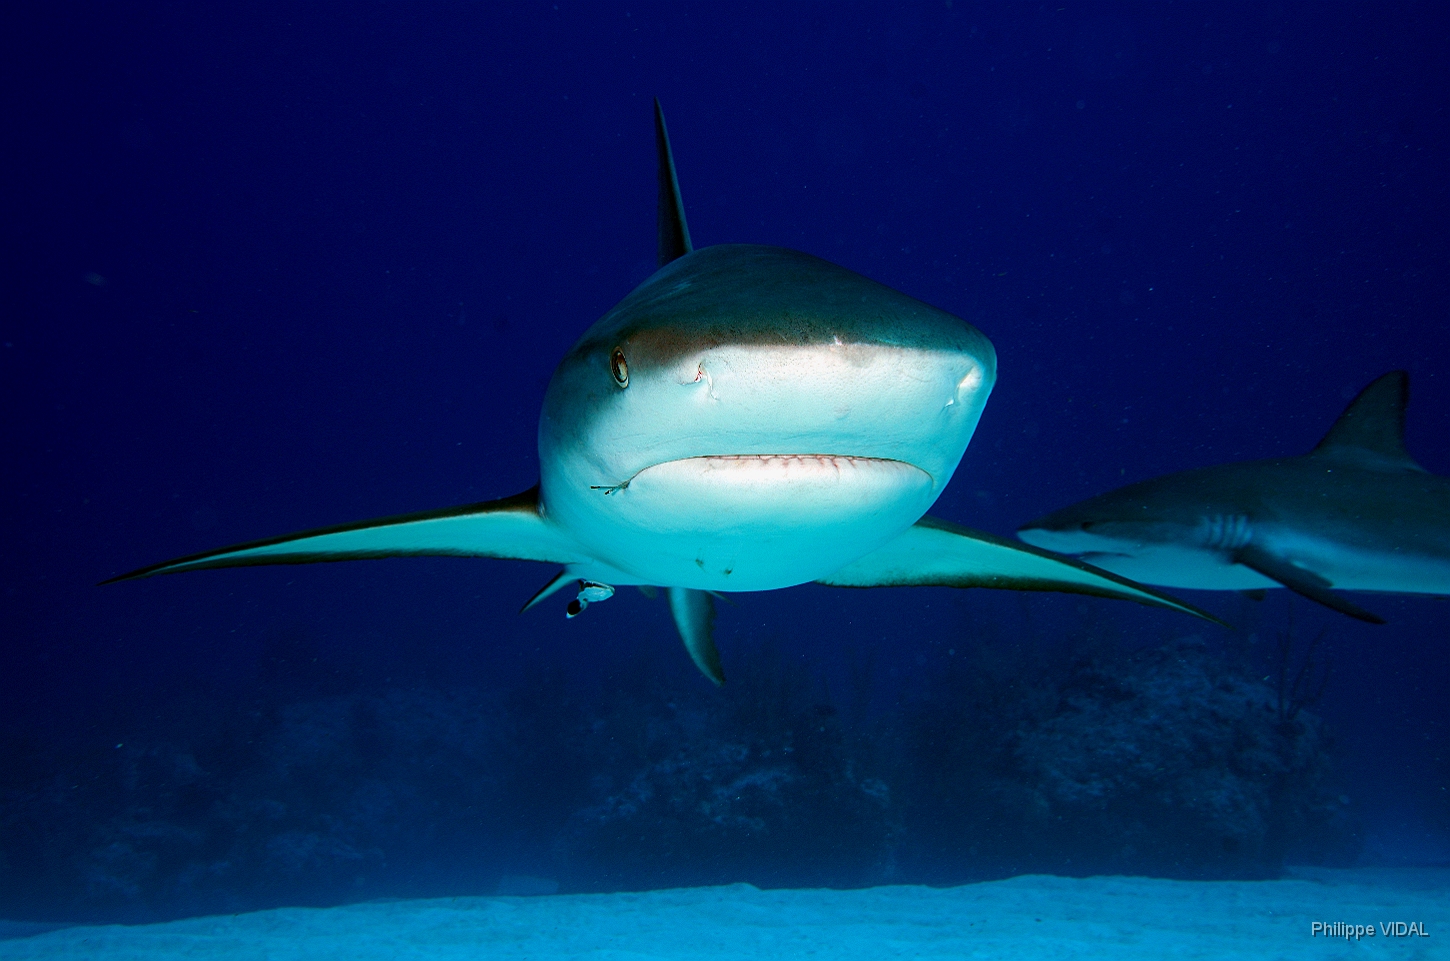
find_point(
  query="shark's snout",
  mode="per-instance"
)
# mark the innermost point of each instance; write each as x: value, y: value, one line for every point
x: 1064, y: 542
x: 1072, y: 532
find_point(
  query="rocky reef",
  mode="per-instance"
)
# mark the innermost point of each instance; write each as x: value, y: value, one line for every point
x: 1175, y: 760
x: 1168, y: 761
x: 763, y: 782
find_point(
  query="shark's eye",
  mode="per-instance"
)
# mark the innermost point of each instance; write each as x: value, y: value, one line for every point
x: 619, y: 367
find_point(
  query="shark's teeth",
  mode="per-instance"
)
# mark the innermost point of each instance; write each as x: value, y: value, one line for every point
x: 796, y: 463
x: 806, y: 460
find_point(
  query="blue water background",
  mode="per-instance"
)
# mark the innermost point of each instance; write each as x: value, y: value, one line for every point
x: 273, y: 267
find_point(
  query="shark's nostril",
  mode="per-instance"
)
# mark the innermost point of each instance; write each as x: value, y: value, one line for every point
x: 970, y: 381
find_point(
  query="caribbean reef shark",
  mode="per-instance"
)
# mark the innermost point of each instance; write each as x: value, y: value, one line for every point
x: 749, y: 418
x: 1356, y: 513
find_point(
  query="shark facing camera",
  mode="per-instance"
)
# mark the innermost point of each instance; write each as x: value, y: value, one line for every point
x: 749, y: 418
x: 747, y: 451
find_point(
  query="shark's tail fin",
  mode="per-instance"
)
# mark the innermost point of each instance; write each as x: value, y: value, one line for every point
x: 674, y: 233
x: 1371, y: 431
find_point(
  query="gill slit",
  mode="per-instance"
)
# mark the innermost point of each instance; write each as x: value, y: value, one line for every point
x: 1229, y: 532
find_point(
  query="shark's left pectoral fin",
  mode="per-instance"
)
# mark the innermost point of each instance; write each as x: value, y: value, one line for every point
x: 936, y: 553
x: 1303, y: 582
x: 694, y: 613
x: 511, y: 527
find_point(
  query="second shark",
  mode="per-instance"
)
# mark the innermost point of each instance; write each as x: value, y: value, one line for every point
x: 1356, y: 513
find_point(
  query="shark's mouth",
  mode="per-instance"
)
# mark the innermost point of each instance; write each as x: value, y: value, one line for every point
x: 780, y: 471
x: 836, y: 463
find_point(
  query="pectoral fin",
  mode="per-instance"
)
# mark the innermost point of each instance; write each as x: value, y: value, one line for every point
x: 934, y: 552
x: 508, y: 528
x: 555, y: 584
x: 694, y: 613
x: 1303, y: 582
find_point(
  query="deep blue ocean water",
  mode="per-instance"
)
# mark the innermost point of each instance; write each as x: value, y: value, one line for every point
x: 274, y: 267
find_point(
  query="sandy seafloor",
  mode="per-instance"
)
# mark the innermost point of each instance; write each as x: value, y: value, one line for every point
x: 1025, y: 917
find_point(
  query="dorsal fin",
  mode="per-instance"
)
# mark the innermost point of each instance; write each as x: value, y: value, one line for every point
x: 1372, y: 428
x: 674, y: 233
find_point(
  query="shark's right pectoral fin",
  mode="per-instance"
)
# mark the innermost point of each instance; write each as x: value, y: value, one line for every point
x: 1302, y: 582
x: 511, y: 527
x: 937, y: 553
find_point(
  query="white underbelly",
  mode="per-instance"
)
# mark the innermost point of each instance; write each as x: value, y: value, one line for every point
x: 1190, y: 568
x: 1351, y: 567
x: 1345, y: 567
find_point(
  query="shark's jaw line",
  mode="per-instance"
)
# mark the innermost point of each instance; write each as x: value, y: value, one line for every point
x: 835, y: 466
x: 836, y: 461
x: 742, y: 522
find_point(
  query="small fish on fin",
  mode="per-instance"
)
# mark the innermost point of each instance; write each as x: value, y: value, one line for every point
x: 590, y: 592
x: 1302, y: 582
x: 1256, y: 594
